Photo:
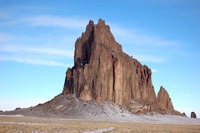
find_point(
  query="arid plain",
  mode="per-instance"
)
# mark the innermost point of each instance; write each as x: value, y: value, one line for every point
x: 18, y: 124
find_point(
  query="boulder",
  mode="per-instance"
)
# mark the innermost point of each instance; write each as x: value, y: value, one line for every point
x: 193, y: 115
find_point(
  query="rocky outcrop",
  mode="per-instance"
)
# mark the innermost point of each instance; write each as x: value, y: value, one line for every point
x: 103, y: 71
x: 193, y: 115
x: 164, y: 100
x: 18, y: 108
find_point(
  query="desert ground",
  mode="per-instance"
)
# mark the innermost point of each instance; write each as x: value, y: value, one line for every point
x: 20, y: 124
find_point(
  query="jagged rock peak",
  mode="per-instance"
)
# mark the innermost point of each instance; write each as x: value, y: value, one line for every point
x: 164, y: 100
x: 95, y: 35
x: 101, y: 22
x: 91, y: 22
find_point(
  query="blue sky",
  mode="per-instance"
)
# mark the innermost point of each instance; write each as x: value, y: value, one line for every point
x: 37, y: 45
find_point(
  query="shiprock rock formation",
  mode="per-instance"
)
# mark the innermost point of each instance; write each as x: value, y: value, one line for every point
x: 102, y: 71
x: 104, y: 81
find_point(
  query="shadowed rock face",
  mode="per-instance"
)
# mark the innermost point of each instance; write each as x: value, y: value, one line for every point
x: 105, y: 70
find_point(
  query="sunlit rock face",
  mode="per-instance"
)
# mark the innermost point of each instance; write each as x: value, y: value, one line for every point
x: 102, y: 71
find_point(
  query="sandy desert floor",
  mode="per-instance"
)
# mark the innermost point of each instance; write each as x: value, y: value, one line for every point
x: 20, y: 124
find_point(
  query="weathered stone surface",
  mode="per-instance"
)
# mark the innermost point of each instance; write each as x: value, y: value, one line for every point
x: 164, y: 100
x: 108, y: 72
x: 86, y: 95
x: 193, y: 115
x: 145, y: 109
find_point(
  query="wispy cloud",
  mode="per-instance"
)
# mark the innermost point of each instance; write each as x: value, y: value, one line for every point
x: 127, y: 36
x: 36, y: 50
x: 144, y: 46
x: 48, y: 20
x: 154, y: 70
x: 24, y: 48
x: 138, y: 37
x: 34, y: 55
x: 149, y: 58
x: 189, y: 95
x: 4, y: 37
x: 33, y: 61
